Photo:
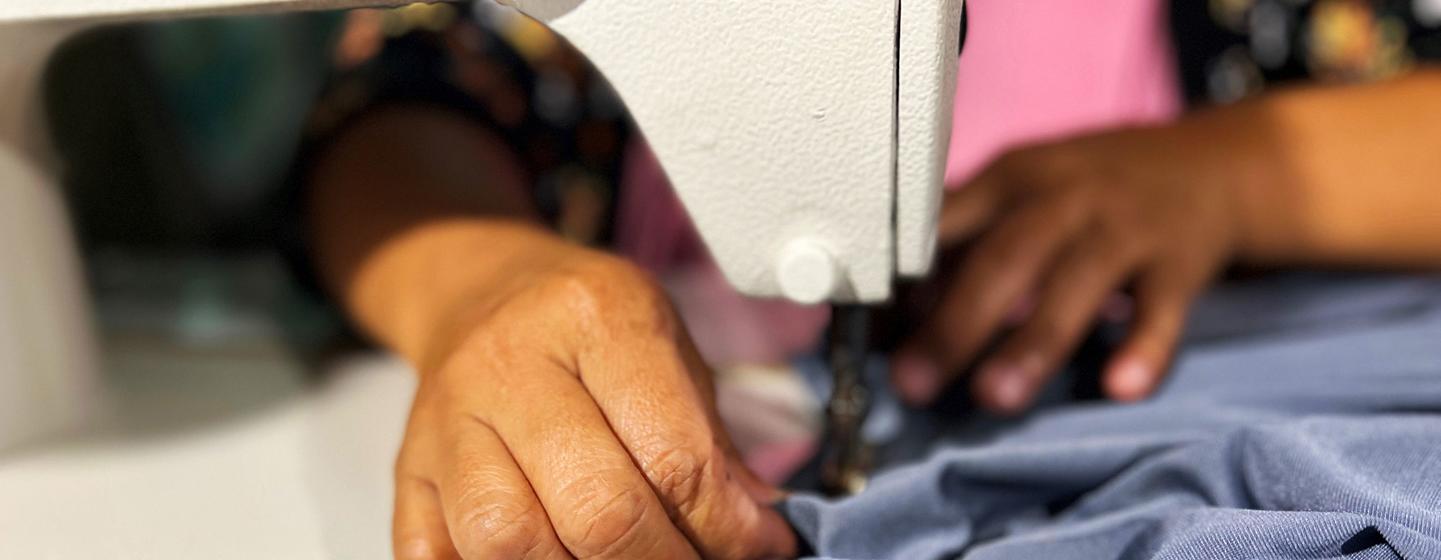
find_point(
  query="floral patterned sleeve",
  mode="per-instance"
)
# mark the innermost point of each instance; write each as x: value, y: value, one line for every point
x: 1230, y: 49
x: 493, y: 67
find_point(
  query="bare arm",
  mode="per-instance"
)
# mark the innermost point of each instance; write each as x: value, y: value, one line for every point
x: 1358, y: 178
x: 401, y: 194
x: 1334, y: 176
x: 562, y: 409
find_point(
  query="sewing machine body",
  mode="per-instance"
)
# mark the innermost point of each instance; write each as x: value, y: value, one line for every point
x: 806, y: 141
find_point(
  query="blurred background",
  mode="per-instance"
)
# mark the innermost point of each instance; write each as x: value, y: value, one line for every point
x: 177, y: 138
x: 231, y: 415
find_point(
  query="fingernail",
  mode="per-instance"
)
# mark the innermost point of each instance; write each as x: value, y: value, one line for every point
x: 917, y: 379
x: 1009, y: 387
x: 1131, y: 379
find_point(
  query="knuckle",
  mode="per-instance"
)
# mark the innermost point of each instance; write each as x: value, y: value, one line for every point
x: 679, y: 475
x: 605, y: 521
x: 1042, y: 160
x: 496, y: 525
x: 685, y: 477
x: 969, y: 316
x: 988, y: 261
x: 1120, y: 220
x: 1076, y: 201
x: 1066, y: 206
x: 1043, y: 336
x: 1020, y: 160
x: 1097, y: 255
x: 614, y: 292
x: 953, y: 335
x: 409, y: 464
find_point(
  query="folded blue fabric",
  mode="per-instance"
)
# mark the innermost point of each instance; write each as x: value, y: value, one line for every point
x: 1300, y: 422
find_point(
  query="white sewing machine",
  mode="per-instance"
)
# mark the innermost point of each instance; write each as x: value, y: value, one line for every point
x: 806, y: 140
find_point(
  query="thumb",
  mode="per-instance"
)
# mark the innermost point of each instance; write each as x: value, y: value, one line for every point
x: 759, y: 531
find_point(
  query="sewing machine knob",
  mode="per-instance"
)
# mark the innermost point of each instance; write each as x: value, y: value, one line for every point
x: 807, y: 271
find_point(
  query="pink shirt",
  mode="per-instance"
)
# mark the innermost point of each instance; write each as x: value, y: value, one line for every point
x: 1030, y: 71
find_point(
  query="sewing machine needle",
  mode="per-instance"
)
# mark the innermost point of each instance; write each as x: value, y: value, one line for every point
x: 844, y: 468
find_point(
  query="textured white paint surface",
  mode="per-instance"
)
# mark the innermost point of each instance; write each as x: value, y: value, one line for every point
x: 930, y: 41
x: 774, y: 120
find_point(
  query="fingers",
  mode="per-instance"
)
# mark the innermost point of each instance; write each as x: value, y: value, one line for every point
x: 678, y: 443
x: 998, y: 272
x: 609, y: 441
x: 599, y: 504
x: 1079, y: 284
x: 969, y: 208
x: 1138, y: 367
x: 419, y: 531
x: 487, y: 502
x: 1083, y: 201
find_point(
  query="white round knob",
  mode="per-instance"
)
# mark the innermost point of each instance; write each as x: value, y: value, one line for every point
x: 807, y: 272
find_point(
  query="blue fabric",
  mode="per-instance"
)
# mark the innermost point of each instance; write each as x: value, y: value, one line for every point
x: 1300, y: 422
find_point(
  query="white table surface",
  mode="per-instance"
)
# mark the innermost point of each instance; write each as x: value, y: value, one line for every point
x: 215, y: 455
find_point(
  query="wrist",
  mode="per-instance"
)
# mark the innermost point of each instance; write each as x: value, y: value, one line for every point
x: 558, y: 292
x: 422, y: 291
x: 1245, y: 162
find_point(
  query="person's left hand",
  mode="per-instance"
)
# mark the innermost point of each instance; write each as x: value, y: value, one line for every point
x: 1059, y: 229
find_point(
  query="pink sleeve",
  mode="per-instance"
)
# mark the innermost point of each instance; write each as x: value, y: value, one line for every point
x: 1034, y: 70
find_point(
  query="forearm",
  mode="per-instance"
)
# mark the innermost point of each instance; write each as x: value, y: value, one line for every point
x: 1356, y: 177
x: 417, y: 218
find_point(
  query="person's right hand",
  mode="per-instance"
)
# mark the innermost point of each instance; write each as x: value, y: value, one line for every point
x: 571, y: 417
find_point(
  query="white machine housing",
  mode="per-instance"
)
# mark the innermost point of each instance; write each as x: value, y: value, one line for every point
x: 807, y: 141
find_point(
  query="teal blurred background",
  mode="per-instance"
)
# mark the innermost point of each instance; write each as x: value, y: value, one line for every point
x: 176, y: 134
x: 176, y: 140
